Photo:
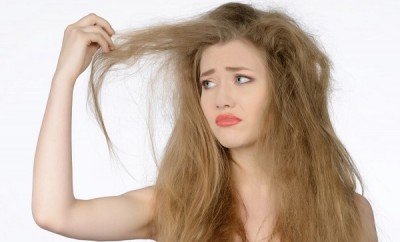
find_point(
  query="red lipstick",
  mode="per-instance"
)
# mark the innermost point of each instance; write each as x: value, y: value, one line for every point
x: 227, y: 120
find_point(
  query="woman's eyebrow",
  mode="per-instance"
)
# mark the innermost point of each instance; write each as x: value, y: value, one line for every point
x: 239, y: 68
x: 228, y: 68
x: 206, y: 73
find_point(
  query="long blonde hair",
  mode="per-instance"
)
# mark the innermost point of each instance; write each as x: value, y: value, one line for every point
x: 313, y: 175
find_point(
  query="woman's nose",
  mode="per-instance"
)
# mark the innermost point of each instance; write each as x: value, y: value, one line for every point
x: 224, y: 95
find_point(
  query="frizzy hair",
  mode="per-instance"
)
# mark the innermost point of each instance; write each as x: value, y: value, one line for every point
x: 314, y: 178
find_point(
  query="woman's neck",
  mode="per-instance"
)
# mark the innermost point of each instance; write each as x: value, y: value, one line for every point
x: 245, y: 168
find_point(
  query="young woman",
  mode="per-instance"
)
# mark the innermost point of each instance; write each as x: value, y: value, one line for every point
x: 252, y: 155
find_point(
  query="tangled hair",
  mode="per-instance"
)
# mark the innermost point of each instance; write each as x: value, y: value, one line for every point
x: 313, y: 176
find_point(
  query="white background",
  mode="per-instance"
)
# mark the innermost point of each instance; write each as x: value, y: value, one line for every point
x: 361, y: 37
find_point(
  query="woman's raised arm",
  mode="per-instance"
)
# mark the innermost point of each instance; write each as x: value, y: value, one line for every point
x: 54, y: 206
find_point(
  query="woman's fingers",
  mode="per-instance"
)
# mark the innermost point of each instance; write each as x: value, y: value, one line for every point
x: 91, y: 34
x: 99, y: 31
x: 98, y: 39
x: 94, y: 20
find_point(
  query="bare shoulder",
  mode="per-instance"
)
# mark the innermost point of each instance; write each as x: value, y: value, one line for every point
x: 367, y: 219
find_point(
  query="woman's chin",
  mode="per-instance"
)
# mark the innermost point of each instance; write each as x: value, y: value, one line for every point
x: 234, y: 145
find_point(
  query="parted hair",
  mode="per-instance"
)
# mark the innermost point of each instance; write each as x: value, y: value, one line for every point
x: 314, y: 178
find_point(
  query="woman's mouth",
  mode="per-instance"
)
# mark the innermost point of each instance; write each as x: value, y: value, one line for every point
x: 225, y: 120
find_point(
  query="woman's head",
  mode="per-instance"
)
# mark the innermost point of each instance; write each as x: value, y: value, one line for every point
x: 284, y: 116
x: 296, y: 74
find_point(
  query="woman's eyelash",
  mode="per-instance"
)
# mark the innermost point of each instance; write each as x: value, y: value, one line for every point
x: 239, y: 76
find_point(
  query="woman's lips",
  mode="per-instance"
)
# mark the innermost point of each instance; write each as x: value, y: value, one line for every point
x: 227, y: 120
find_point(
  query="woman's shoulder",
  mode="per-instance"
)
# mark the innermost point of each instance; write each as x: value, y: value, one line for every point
x: 367, y: 219
x: 362, y: 202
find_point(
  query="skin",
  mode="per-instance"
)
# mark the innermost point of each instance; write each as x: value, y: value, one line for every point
x: 129, y: 216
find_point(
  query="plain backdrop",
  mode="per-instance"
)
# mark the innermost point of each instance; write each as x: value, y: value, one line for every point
x: 361, y: 38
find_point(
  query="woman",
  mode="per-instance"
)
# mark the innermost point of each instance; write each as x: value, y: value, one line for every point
x: 252, y: 155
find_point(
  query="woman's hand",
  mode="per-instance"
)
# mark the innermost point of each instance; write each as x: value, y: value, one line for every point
x: 81, y: 40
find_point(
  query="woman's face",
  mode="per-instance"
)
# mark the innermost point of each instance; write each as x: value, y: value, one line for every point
x: 234, y: 82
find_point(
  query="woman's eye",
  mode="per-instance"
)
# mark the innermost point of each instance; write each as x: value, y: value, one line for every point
x: 242, y: 79
x: 206, y: 84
